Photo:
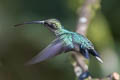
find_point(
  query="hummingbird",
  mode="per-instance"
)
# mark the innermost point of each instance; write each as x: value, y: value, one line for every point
x: 65, y: 41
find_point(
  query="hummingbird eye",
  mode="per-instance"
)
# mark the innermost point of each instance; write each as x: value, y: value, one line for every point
x: 54, y: 24
x: 51, y: 25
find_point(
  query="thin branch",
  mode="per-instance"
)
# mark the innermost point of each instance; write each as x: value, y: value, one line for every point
x: 86, y: 13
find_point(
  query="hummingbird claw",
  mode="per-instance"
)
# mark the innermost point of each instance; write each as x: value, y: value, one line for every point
x: 84, y: 75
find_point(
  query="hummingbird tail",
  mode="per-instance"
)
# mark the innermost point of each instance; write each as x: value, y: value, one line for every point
x: 94, y: 53
x: 99, y: 59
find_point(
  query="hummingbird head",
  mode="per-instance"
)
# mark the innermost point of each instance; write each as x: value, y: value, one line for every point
x: 52, y: 24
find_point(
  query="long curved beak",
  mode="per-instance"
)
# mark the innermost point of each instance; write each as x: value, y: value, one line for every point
x: 32, y: 22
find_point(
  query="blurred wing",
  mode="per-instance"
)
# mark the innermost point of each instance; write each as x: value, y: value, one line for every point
x: 52, y: 50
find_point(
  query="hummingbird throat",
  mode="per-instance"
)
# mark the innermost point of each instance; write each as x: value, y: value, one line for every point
x: 60, y: 31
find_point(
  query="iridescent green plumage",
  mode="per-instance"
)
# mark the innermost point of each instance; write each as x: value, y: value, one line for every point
x: 65, y: 41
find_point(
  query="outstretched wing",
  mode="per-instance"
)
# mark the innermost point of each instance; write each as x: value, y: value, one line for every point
x: 53, y: 49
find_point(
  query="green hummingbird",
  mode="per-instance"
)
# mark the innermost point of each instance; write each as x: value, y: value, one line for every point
x: 65, y: 41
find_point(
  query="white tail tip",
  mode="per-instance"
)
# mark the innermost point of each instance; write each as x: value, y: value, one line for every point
x: 99, y: 59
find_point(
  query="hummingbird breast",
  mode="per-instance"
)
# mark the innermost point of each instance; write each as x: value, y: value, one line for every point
x: 67, y: 40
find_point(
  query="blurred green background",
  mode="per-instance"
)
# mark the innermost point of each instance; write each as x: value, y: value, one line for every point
x: 18, y: 45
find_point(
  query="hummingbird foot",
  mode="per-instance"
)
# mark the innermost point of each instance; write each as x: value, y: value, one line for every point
x: 84, y: 75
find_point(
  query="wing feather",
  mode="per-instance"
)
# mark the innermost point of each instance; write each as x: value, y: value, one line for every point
x: 53, y: 49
